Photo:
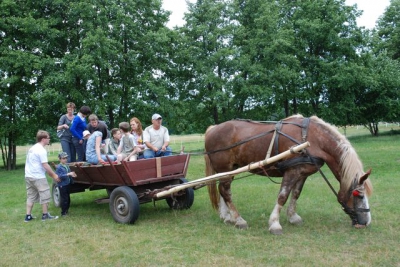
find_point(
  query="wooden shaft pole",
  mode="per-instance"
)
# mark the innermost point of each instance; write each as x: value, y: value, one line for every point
x: 237, y: 171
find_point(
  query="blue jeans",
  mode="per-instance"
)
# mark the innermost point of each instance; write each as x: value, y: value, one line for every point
x: 148, y: 153
x: 95, y: 161
x: 69, y: 148
x: 80, y: 151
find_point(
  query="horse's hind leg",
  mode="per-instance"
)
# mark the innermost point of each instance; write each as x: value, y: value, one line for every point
x: 227, y: 209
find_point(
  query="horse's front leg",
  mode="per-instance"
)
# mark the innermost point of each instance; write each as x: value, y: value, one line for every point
x: 293, y: 217
x: 227, y: 209
x: 274, y: 224
x: 288, y: 182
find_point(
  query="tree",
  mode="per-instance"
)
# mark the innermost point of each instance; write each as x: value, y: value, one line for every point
x: 388, y: 31
x: 20, y: 65
x: 208, y: 50
x: 379, y: 101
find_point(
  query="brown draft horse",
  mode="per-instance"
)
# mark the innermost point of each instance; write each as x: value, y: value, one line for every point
x: 237, y: 143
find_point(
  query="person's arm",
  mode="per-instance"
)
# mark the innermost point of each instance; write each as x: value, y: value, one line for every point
x: 150, y: 145
x: 75, y: 123
x: 62, y: 173
x: 62, y: 124
x: 166, y: 140
x: 146, y: 140
x: 50, y: 172
x: 97, y: 147
x: 119, y: 149
x: 136, y: 150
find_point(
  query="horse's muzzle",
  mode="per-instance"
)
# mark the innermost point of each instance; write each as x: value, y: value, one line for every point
x: 360, y: 226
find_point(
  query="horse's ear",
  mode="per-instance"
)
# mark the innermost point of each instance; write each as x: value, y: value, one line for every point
x: 364, y: 177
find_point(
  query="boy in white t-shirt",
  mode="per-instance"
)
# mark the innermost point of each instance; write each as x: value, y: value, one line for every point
x: 37, y: 187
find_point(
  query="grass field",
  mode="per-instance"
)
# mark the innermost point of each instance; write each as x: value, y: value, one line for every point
x: 197, y: 237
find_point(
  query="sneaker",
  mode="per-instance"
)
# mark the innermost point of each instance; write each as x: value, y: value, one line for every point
x: 29, y: 218
x: 47, y: 216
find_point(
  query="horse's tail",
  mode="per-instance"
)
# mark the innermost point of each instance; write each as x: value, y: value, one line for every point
x: 213, y: 192
x: 211, y: 186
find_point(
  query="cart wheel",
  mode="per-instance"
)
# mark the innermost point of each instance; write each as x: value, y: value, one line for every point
x: 184, y: 201
x: 124, y: 205
x: 55, y: 191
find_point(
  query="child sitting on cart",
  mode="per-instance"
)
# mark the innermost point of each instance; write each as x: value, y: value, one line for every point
x: 127, y: 150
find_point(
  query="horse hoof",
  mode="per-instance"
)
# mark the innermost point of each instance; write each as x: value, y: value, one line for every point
x: 296, y: 220
x: 241, y: 226
x: 276, y: 231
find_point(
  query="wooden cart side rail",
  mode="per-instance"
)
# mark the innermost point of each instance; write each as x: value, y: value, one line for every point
x: 160, y: 179
x: 118, y: 174
x: 141, y: 171
x: 173, y: 165
x: 105, y: 175
x: 79, y: 170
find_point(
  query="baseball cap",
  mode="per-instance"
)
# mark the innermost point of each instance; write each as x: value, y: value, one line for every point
x: 156, y: 116
x: 85, y: 132
x: 62, y: 155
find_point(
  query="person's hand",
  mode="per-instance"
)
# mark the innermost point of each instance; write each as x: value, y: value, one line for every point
x: 73, y: 174
x: 66, y: 126
x: 57, y: 179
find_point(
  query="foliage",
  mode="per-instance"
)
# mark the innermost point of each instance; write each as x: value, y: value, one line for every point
x: 252, y: 59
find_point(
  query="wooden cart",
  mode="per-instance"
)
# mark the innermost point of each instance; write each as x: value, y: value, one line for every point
x: 131, y: 183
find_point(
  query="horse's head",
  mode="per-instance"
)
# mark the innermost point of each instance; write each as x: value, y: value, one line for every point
x: 357, y: 206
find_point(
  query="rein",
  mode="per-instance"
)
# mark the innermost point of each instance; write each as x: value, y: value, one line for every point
x: 345, y: 208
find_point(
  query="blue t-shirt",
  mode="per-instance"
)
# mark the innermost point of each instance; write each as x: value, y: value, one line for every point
x: 91, y: 155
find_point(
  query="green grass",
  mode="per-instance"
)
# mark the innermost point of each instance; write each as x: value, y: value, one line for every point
x: 197, y: 237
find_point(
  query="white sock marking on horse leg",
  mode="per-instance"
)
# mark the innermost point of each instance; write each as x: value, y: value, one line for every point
x: 294, y: 218
x: 274, y: 225
x: 224, y: 212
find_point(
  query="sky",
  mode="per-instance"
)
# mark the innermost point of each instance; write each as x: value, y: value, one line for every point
x: 373, y: 9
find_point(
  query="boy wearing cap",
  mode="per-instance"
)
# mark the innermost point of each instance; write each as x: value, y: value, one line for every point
x: 64, y: 173
x: 156, y: 138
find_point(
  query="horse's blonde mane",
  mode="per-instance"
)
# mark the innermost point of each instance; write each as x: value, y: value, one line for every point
x: 350, y: 164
